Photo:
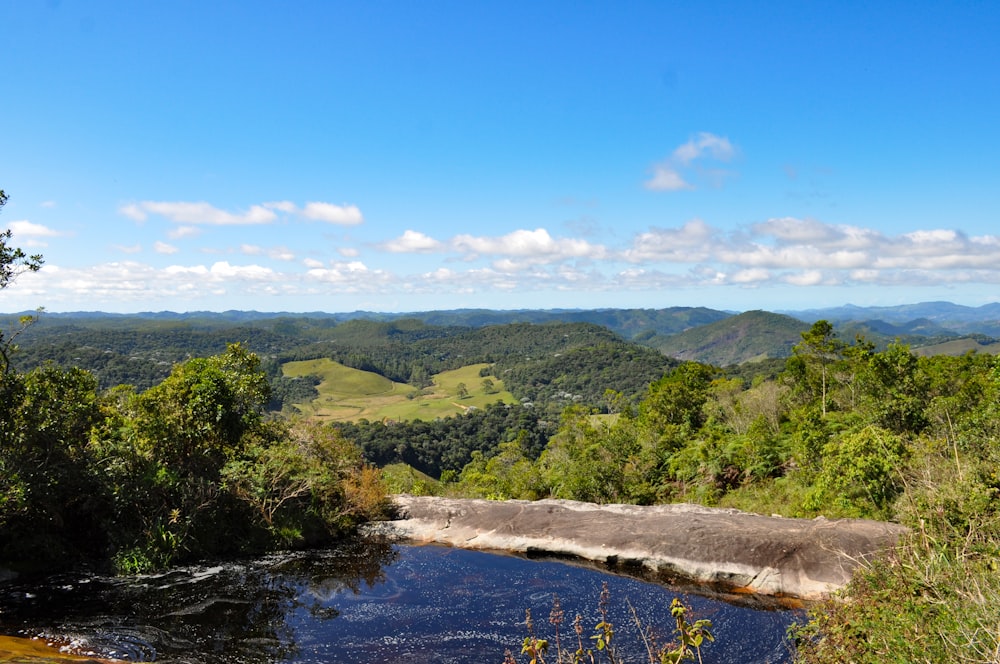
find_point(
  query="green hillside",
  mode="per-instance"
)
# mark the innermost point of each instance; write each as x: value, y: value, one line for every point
x: 347, y: 394
x: 747, y: 337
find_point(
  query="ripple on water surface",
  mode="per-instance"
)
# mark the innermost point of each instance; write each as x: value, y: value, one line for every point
x: 364, y: 603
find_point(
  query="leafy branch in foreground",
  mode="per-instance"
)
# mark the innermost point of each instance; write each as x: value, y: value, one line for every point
x: 688, y: 640
x: 13, y: 261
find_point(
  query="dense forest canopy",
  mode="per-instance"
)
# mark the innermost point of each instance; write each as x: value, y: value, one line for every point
x: 547, y: 363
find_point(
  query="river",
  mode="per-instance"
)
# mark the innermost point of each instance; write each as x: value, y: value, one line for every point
x: 365, y: 602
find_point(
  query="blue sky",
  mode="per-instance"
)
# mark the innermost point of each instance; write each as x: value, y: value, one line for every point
x: 403, y: 156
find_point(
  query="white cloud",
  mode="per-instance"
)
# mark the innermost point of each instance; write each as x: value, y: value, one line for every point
x: 805, y: 278
x: 865, y: 275
x: 276, y: 253
x: 411, y: 242
x: 666, y: 178
x: 181, y: 232
x: 780, y: 252
x: 669, y: 175
x: 537, y: 245
x: 792, y: 231
x: 691, y: 243
x: 126, y: 281
x: 936, y: 237
x: 702, y: 145
x: 25, y: 228
x: 752, y: 276
x: 796, y: 256
x: 197, y: 213
x: 352, y: 277
x: 47, y: 204
x: 203, y: 213
x: 164, y: 248
x: 224, y: 271
x: 811, y: 253
x: 133, y: 212
x: 343, y: 215
x: 283, y: 206
x: 30, y: 234
x: 129, y: 249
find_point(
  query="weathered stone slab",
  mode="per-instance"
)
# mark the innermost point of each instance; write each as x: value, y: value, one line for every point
x: 728, y: 549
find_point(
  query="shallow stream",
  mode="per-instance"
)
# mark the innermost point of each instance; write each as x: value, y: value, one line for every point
x: 365, y: 602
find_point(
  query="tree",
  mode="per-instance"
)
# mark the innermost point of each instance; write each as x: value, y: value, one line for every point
x: 819, y: 347
x: 678, y: 399
x: 13, y: 262
x: 51, y: 502
x: 897, y: 390
x: 195, y: 420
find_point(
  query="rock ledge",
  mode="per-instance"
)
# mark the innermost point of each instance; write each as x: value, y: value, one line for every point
x: 727, y: 549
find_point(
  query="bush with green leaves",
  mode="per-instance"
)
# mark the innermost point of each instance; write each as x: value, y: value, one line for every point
x: 187, y: 469
x: 861, y: 474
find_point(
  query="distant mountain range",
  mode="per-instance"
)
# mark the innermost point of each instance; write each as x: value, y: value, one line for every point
x: 708, y: 335
x: 932, y: 317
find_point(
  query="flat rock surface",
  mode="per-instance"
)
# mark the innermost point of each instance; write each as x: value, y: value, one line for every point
x: 728, y: 549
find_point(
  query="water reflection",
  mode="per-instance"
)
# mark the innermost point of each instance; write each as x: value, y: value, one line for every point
x: 363, y: 602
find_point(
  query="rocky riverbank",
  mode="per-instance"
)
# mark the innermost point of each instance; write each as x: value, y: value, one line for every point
x: 727, y: 549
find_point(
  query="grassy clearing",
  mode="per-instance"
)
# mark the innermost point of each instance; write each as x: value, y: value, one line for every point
x: 347, y: 394
x: 402, y: 478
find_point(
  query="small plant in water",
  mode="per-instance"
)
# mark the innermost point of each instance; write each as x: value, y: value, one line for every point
x: 532, y: 646
x: 689, y: 637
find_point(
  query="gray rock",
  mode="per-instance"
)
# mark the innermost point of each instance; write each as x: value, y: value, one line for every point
x: 727, y: 549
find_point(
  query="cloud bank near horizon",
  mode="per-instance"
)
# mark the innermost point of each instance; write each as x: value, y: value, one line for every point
x: 777, y: 252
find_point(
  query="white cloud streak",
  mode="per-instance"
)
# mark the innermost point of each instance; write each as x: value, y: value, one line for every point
x: 31, y: 234
x: 674, y: 173
x: 164, y: 248
x: 535, y: 246
x: 412, y: 242
x: 198, y: 213
x: 702, y: 145
x: 341, y: 215
x: 203, y: 213
x: 182, y: 232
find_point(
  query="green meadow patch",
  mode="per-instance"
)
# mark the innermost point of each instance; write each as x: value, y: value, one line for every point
x: 347, y: 394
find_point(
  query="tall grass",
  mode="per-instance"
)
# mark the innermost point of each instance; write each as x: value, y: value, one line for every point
x: 935, y: 597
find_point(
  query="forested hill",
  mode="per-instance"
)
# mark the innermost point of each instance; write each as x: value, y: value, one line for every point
x: 551, y: 363
x: 140, y: 349
x: 630, y: 324
x: 747, y: 337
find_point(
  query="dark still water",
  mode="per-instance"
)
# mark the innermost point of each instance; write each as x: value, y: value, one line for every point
x: 365, y: 602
